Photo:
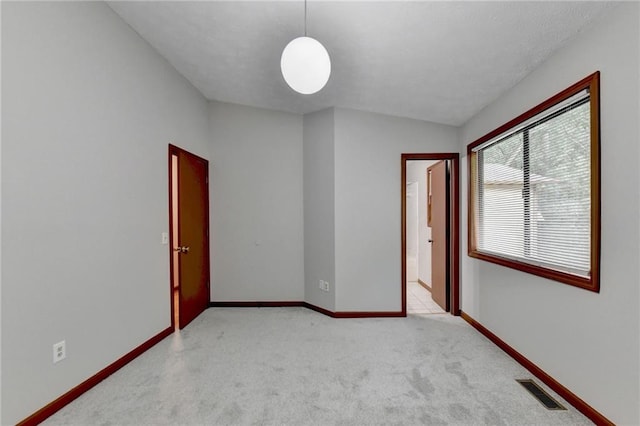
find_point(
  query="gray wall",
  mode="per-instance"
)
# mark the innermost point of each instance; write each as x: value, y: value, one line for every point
x: 587, y: 341
x: 367, y: 203
x: 88, y: 109
x: 256, y: 204
x: 352, y: 204
x: 319, y: 203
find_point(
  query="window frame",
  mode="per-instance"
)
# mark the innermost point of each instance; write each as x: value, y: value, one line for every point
x: 592, y: 282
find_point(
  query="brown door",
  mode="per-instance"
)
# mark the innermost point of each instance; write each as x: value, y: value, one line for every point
x: 438, y: 218
x: 190, y: 259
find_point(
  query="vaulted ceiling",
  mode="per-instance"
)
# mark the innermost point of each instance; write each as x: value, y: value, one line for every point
x: 435, y: 61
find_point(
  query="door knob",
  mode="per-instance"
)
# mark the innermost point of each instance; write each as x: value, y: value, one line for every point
x: 182, y: 249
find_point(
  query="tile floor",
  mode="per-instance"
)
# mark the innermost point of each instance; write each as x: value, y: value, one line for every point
x: 419, y: 300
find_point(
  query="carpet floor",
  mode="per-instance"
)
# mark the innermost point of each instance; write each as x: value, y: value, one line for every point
x: 293, y: 366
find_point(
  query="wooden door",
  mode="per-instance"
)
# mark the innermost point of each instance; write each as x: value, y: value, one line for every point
x: 438, y: 220
x: 192, y: 242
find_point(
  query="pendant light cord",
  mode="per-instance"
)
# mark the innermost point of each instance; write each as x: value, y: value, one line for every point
x: 305, y: 18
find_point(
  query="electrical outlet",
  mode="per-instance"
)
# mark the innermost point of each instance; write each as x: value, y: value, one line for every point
x: 326, y: 286
x: 59, y: 351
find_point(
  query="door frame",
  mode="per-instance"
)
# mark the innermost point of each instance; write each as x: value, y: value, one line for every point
x: 175, y: 150
x: 454, y: 220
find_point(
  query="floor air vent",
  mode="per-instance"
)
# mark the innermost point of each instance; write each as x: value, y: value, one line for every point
x: 539, y: 393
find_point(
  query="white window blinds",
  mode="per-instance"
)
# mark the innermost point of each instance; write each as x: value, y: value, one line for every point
x: 532, y: 190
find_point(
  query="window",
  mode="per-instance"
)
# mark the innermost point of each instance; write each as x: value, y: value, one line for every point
x: 534, y: 200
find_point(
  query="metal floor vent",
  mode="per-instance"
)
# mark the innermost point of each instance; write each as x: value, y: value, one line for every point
x: 539, y: 393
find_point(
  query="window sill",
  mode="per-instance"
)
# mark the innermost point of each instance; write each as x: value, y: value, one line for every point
x: 589, y: 283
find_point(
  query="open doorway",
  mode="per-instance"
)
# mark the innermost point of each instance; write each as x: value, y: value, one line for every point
x: 189, y: 235
x: 430, y: 233
x: 174, y: 243
x: 420, y: 299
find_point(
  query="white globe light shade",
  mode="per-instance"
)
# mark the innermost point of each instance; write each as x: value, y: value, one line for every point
x: 305, y: 65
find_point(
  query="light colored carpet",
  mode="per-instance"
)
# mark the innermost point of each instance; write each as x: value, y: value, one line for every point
x: 293, y: 366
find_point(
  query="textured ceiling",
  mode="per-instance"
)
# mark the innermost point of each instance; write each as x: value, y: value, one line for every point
x: 435, y: 61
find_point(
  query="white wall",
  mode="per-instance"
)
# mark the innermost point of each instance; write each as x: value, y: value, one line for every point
x: 88, y: 109
x: 367, y: 203
x: 256, y: 204
x: 319, y: 203
x: 589, y: 342
x: 411, y: 206
x: 417, y: 172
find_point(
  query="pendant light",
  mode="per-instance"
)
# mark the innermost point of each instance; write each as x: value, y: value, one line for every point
x: 305, y: 63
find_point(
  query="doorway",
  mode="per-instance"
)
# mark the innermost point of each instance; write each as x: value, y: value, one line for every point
x: 421, y: 291
x: 188, y: 236
x: 430, y: 181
